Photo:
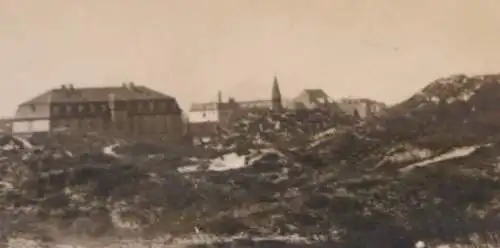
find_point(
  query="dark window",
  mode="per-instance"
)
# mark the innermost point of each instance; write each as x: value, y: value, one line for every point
x: 139, y: 126
x: 33, y: 107
x: 69, y: 108
x: 151, y: 106
x: 81, y: 108
x: 162, y: 106
x: 166, y: 126
x: 55, y: 110
x: 131, y: 106
x: 140, y: 107
x: 92, y: 108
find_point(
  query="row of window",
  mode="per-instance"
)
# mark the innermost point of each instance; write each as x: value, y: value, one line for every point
x: 92, y: 108
x: 141, y: 107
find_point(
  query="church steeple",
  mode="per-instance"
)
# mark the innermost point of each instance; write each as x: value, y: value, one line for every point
x: 276, y: 95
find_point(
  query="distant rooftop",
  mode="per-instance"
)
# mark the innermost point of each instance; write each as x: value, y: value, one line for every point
x: 358, y: 100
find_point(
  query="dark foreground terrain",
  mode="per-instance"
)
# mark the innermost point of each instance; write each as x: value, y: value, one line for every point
x: 427, y: 169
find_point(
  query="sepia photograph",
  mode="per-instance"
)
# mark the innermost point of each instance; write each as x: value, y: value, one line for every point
x: 249, y: 123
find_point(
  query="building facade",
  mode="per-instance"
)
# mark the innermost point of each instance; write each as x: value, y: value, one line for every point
x: 129, y: 109
x: 361, y: 107
x: 205, y: 118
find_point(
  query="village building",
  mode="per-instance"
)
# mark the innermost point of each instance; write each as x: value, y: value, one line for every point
x: 312, y: 98
x: 128, y: 109
x: 206, y: 118
x: 361, y: 107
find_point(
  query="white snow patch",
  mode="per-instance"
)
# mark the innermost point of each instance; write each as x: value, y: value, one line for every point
x: 415, y: 153
x: 188, y: 168
x: 320, y: 137
x: 229, y: 161
x: 109, y: 150
x: 409, y: 154
x: 25, y: 142
x: 117, y: 217
x: 6, y: 185
x: 256, y: 157
x: 455, y: 153
x: 435, y: 99
x: 420, y: 244
x: 465, y: 96
x: 325, y: 133
x: 13, y: 144
x: 9, y: 146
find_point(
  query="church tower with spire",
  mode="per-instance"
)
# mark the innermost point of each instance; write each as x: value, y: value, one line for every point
x: 276, y: 96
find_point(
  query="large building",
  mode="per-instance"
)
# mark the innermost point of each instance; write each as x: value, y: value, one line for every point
x: 128, y: 109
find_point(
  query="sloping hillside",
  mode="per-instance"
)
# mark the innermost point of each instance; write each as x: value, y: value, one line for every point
x: 425, y: 170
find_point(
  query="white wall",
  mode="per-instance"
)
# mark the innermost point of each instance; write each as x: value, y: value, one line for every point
x: 203, y: 116
x: 30, y: 126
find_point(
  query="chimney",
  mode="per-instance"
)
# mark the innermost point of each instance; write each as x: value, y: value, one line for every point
x: 63, y: 87
x: 131, y: 85
x: 71, y: 87
x: 219, y: 97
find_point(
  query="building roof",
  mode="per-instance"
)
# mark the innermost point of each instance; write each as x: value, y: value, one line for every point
x: 221, y: 106
x: 32, y: 112
x: 208, y: 106
x: 360, y: 100
x: 313, y: 96
x: 69, y: 94
x: 256, y: 104
x: 315, y: 93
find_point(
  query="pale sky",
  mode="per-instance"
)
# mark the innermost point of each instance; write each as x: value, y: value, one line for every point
x: 380, y: 49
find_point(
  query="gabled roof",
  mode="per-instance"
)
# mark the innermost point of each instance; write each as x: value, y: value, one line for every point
x: 315, y: 93
x: 96, y: 94
x: 315, y: 96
